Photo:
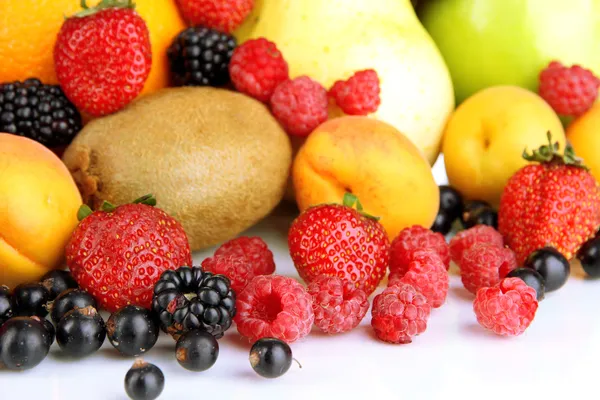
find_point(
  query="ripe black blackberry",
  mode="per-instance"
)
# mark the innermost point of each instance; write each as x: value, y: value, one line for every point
x: 189, y: 298
x: 39, y: 112
x: 200, y: 56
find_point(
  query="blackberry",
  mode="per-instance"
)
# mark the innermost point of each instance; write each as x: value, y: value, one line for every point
x: 189, y: 298
x: 39, y: 112
x: 200, y: 56
x: 6, y: 305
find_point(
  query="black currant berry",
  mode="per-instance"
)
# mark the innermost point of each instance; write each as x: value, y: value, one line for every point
x: 531, y: 278
x: 58, y: 281
x: 6, y: 305
x: 589, y: 256
x: 30, y: 299
x: 81, y: 332
x: 551, y: 265
x: 451, y: 202
x: 68, y: 300
x: 49, y: 326
x: 480, y: 216
x: 132, y: 330
x: 470, y: 207
x: 442, y: 223
x: 197, y: 350
x: 144, y: 381
x: 270, y: 357
x: 23, y: 343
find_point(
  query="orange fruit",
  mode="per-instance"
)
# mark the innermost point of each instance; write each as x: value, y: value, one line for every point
x: 485, y: 137
x: 584, y: 136
x: 373, y: 160
x: 28, y: 30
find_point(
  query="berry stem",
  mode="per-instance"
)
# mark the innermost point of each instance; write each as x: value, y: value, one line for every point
x: 83, y: 212
x: 148, y: 200
x: 108, y: 207
x: 350, y: 200
x: 297, y: 362
x: 549, y: 154
x: 103, y: 5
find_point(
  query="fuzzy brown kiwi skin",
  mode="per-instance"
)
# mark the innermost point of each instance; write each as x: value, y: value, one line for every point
x: 216, y: 160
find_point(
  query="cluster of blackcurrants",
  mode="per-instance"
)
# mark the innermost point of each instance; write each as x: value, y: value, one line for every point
x: 452, y: 208
x: 546, y: 269
x: 26, y: 334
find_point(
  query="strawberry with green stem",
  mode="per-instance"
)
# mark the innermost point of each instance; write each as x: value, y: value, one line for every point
x: 554, y: 201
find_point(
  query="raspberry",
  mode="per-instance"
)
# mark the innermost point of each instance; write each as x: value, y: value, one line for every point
x: 569, y: 90
x: 506, y: 309
x: 241, y: 259
x: 399, y: 313
x: 274, y: 306
x: 337, y: 307
x: 300, y: 105
x: 257, y: 68
x: 427, y: 274
x: 467, y: 238
x: 358, y: 95
x: 416, y: 238
x: 222, y: 15
x: 481, y: 264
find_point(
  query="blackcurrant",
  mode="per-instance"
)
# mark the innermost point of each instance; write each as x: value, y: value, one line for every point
x: 58, y: 281
x: 132, y: 330
x: 49, y: 326
x: 68, y: 300
x: 589, y: 256
x: 470, y: 207
x: 144, y: 381
x: 480, y: 216
x: 270, y: 357
x: 197, y: 350
x: 23, y: 343
x: 451, y: 202
x: 551, y: 265
x: 30, y: 299
x: 442, y: 223
x: 81, y: 332
x: 531, y: 278
x: 6, y: 305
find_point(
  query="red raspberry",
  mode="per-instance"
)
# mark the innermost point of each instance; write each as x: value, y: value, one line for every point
x: 257, y: 67
x: 506, y: 309
x: 337, y: 307
x: 399, y: 313
x: 480, y: 265
x: 569, y: 90
x: 427, y: 274
x: 358, y: 95
x: 241, y: 260
x: 300, y: 105
x: 467, y: 238
x: 416, y: 238
x: 274, y: 306
x: 222, y: 15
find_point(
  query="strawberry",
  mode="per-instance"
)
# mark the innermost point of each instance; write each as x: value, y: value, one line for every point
x: 102, y: 56
x: 554, y: 202
x: 118, y: 253
x: 338, y: 240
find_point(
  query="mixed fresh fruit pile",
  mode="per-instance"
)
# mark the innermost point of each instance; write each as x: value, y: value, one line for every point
x: 520, y: 206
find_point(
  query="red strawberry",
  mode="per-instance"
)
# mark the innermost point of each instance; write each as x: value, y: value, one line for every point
x: 338, y: 240
x: 117, y: 254
x: 555, y: 202
x: 102, y: 56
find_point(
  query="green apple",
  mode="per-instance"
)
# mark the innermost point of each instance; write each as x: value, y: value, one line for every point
x: 331, y: 39
x: 500, y: 42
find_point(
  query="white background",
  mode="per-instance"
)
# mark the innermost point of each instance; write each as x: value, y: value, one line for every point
x: 558, y: 356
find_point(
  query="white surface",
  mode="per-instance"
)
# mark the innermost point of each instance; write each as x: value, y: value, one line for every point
x: 558, y: 356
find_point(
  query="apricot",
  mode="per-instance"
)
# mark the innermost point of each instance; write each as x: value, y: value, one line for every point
x: 373, y: 160
x: 584, y: 136
x: 38, y: 210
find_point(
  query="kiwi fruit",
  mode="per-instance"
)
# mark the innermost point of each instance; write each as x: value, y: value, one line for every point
x: 216, y: 160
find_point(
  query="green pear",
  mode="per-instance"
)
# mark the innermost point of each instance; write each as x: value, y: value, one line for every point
x: 329, y: 40
x: 508, y: 42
